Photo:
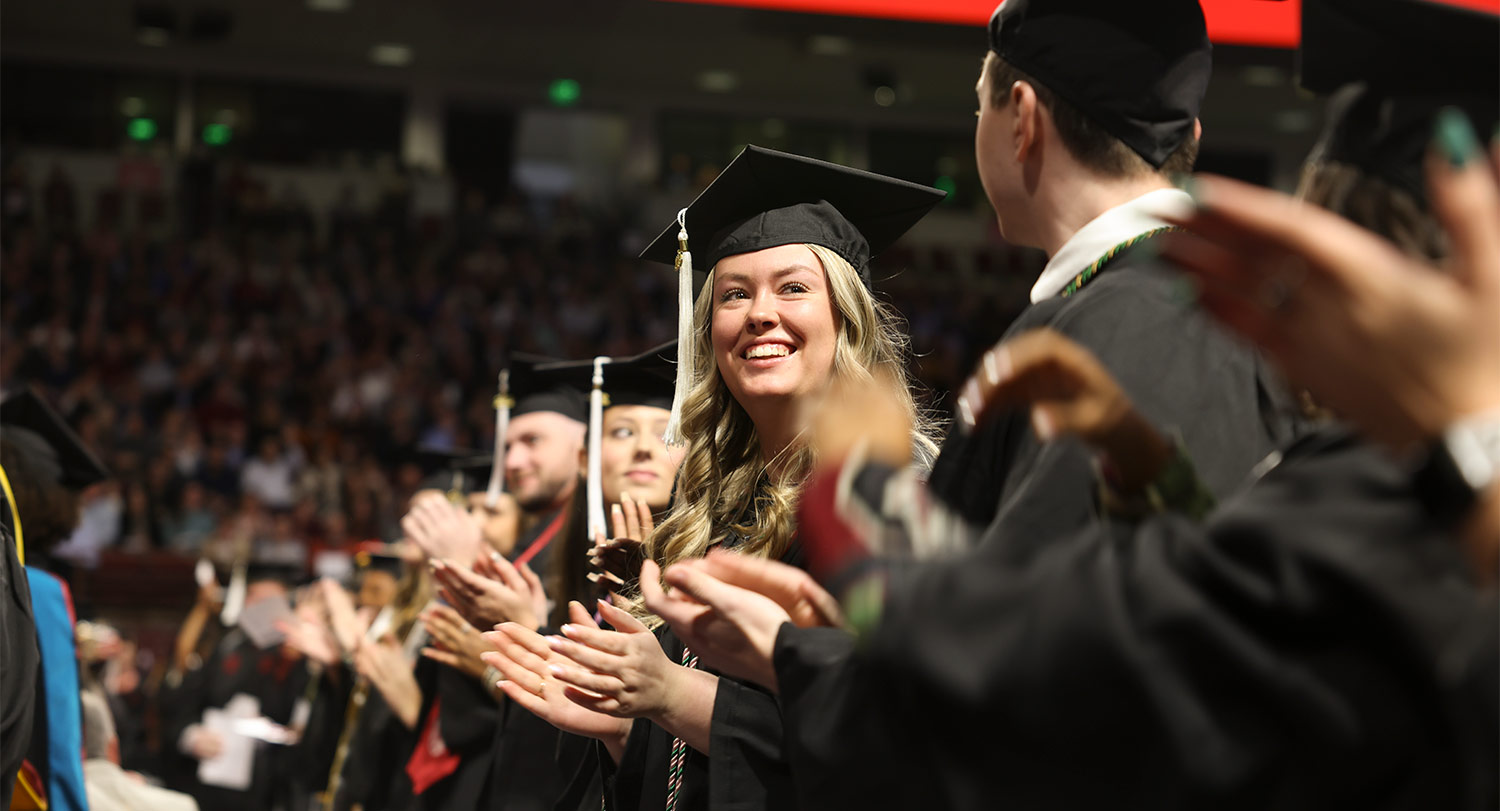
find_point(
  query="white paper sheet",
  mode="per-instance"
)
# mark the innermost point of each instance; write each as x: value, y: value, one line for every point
x: 231, y: 768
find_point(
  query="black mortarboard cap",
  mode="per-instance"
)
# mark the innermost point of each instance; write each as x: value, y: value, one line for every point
x: 1387, y: 135
x: 380, y: 557
x: 765, y: 198
x: 533, y: 391
x: 1392, y: 65
x: 451, y: 469
x: 1398, y: 46
x: 644, y: 379
x: 53, y: 448
x: 1137, y: 68
x: 284, y: 573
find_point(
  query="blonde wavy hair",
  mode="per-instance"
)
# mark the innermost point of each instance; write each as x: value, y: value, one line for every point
x: 723, y: 473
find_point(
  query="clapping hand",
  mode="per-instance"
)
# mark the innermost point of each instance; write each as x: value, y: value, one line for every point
x: 460, y: 645
x: 525, y: 659
x: 1397, y: 346
x: 619, y: 558
x: 729, y: 608
x: 495, y: 592
x: 442, y: 529
x: 385, y: 665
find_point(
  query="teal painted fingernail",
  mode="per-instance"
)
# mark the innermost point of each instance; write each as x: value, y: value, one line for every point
x: 1455, y: 137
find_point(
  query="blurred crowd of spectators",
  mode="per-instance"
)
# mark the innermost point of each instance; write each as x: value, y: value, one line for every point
x: 252, y: 369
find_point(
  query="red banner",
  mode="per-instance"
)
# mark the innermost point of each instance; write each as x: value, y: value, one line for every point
x: 1230, y: 22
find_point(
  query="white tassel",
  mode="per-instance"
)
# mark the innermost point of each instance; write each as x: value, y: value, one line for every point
x: 596, y: 462
x: 234, y: 596
x: 686, y: 351
x: 502, y: 425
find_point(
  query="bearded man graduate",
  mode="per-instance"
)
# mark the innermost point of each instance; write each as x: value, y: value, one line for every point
x: 540, y: 456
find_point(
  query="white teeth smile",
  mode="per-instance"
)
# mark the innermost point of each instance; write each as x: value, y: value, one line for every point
x: 767, y: 351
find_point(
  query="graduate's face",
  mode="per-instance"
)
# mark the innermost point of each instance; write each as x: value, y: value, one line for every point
x: 377, y: 589
x: 632, y: 457
x: 774, y: 329
x: 541, y: 459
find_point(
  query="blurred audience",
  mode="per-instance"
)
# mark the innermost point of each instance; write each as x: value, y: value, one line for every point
x: 258, y: 351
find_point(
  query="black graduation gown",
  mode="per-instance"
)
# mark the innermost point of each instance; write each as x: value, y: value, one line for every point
x: 467, y: 717
x: 1316, y: 644
x: 325, y: 724
x: 238, y: 666
x: 1184, y: 374
x: 533, y: 760
x: 746, y: 768
x: 374, y: 776
x: 20, y: 664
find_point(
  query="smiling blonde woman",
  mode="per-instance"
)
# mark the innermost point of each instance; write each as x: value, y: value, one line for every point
x: 786, y: 311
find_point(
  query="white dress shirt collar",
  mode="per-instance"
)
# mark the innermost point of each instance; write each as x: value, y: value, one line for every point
x: 1105, y: 231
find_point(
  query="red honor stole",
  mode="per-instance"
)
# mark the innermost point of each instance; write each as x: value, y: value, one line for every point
x: 431, y: 760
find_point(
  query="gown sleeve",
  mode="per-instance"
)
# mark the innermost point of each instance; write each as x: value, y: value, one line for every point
x: 1185, y: 376
x: 1287, y: 654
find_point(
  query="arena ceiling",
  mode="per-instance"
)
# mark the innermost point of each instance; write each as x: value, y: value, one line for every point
x: 624, y: 54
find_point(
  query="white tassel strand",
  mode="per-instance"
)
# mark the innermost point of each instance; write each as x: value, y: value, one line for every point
x: 596, y: 463
x: 686, y: 350
x: 502, y: 425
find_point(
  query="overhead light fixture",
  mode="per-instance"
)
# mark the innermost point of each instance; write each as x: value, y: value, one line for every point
x: 154, y: 24
x: 217, y: 134
x: 153, y: 37
x: 564, y: 92
x: 718, y: 81
x: 391, y: 54
x: 885, y: 95
x: 829, y: 45
x: 141, y: 129
x: 330, y: 5
x: 1264, y: 76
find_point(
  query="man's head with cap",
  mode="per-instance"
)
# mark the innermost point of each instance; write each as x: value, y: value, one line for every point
x: 47, y: 465
x: 1368, y: 164
x: 544, y: 444
x: 1077, y: 94
x: 380, y: 569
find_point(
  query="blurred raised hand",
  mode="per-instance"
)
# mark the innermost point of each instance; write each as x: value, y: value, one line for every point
x: 729, y: 608
x: 495, y: 591
x: 1067, y: 391
x: 1397, y: 346
x: 442, y: 529
x: 459, y: 644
